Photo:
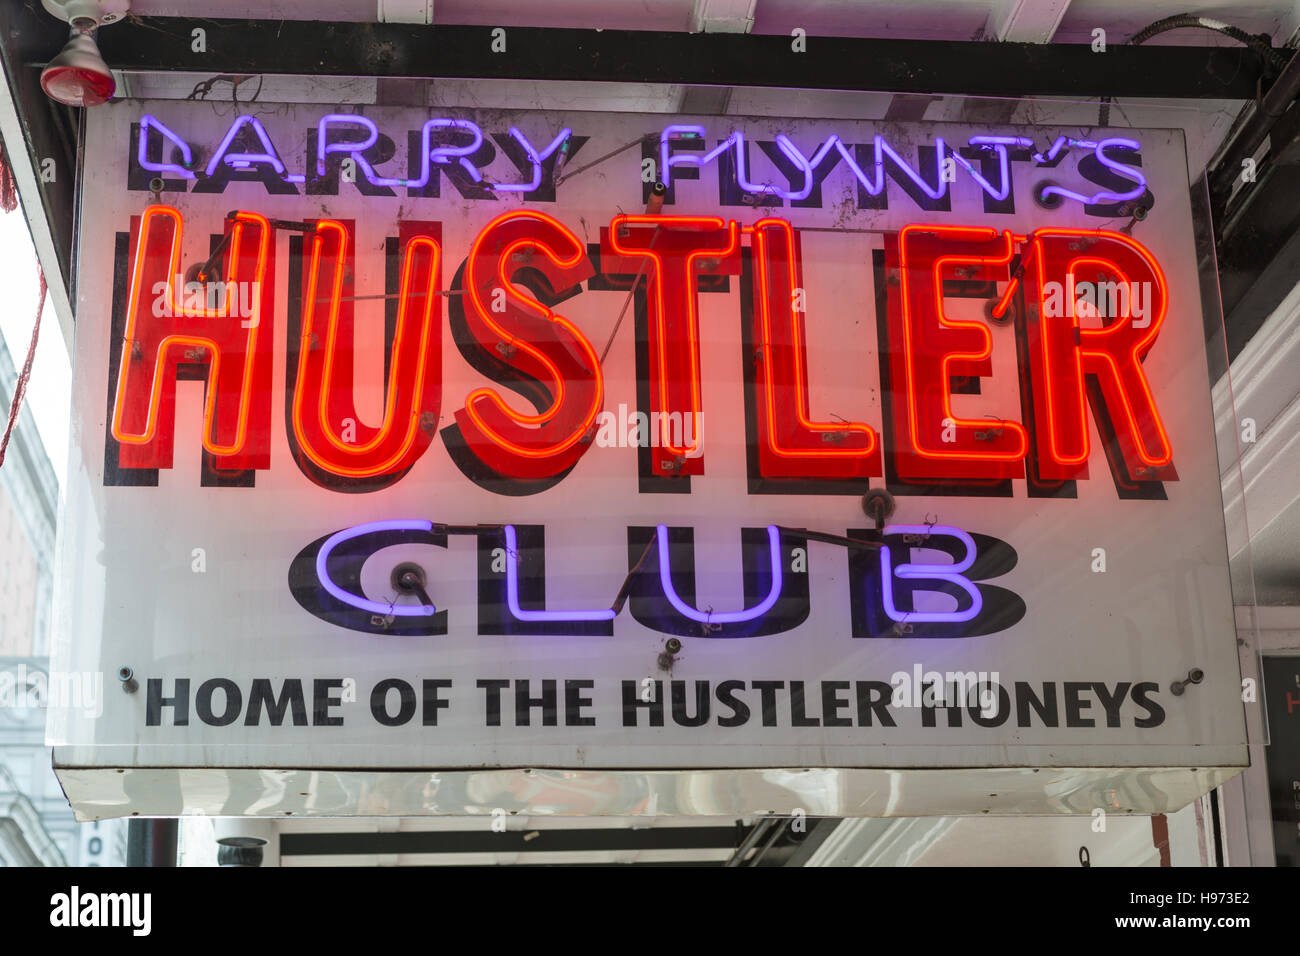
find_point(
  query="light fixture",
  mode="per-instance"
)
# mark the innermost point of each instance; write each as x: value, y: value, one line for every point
x: 78, y: 76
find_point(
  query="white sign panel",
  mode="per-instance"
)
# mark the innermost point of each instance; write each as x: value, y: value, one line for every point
x: 623, y: 445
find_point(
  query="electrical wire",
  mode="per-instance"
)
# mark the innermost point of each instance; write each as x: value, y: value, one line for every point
x: 1274, y: 58
x: 20, y: 387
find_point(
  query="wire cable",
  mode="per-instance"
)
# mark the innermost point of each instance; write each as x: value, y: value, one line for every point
x: 1274, y: 58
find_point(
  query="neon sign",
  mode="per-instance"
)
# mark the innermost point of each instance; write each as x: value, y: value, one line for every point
x: 521, y: 341
x: 247, y: 151
x: 514, y: 438
x: 326, y: 582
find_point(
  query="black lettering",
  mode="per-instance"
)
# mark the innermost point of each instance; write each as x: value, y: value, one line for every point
x: 1045, y: 708
x: 874, y: 697
x: 1141, y: 697
x: 259, y: 696
x: 1111, y: 703
x: 680, y: 715
x: 1076, y: 705
x: 999, y: 717
x: 929, y: 695
x: 797, y: 716
x: 203, y: 701
x: 156, y: 702
x: 632, y: 703
x: 524, y: 704
x: 492, y: 700
x: 727, y: 698
x: 405, y: 706
x: 832, y: 704
x: 767, y: 689
x: 574, y: 702
x: 433, y: 702
x: 322, y: 699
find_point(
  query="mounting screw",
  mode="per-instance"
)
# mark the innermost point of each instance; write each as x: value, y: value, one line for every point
x: 1194, y: 676
x: 127, y: 677
x: 878, y: 504
x: 1053, y: 201
x: 672, y: 645
x: 408, y: 577
x: 202, y: 272
x: 1006, y: 318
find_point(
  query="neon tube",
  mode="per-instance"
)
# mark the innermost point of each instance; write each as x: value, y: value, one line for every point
x: 1131, y: 173
x: 535, y: 158
x: 512, y: 592
x: 246, y: 160
x: 999, y: 144
x: 929, y: 572
x: 323, y: 149
x: 668, y: 161
x: 719, y: 617
x: 147, y: 121
x: 240, y: 222
x: 354, y: 600
x: 444, y: 154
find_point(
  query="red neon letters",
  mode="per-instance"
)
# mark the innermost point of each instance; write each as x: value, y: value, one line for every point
x: 933, y: 443
x: 326, y: 426
x: 534, y: 340
x: 220, y: 327
x: 226, y: 326
x: 790, y: 444
x: 673, y: 251
x: 1063, y: 353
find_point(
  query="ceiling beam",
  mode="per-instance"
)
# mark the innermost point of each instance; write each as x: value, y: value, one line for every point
x: 715, y: 16
x: 315, y: 48
x: 723, y: 16
x: 1014, y: 21
x: 405, y: 11
x: 1025, y: 21
x: 592, y: 839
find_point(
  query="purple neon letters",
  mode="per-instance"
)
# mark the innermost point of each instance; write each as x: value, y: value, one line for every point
x: 951, y: 573
x: 675, y: 142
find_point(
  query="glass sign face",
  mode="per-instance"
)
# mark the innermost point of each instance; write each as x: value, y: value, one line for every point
x: 605, y: 442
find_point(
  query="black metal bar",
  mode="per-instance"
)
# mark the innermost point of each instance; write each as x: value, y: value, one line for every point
x: 151, y: 842
x: 315, y: 48
x: 1218, y: 832
x: 822, y: 828
x: 1259, y: 254
x: 751, y: 841
x: 828, y: 538
x: 1248, y: 139
x: 777, y: 831
x: 511, y: 841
